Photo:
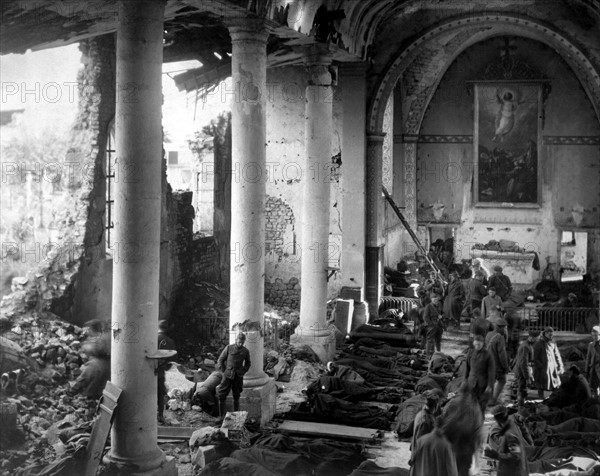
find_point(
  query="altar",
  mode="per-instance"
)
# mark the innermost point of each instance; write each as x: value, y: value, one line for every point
x: 516, y: 265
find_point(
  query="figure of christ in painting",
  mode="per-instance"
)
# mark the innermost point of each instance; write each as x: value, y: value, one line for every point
x: 506, y: 142
x: 505, y: 119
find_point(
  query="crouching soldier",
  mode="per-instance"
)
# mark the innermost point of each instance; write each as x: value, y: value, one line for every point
x: 96, y: 371
x: 234, y: 362
x: 204, y: 394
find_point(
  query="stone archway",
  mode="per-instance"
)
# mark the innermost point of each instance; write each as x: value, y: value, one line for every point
x: 426, y: 60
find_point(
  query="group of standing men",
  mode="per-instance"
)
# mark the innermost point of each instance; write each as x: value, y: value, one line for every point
x: 468, y: 299
x: 434, y: 448
x: 536, y: 361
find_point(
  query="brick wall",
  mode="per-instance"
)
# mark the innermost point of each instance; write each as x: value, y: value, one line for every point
x: 280, y: 293
x: 280, y: 241
x: 278, y: 217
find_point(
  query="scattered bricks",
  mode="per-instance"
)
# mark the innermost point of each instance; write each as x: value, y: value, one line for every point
x: 204, y: 455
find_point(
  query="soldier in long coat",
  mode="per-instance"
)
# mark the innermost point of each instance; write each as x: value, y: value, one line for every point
x: 523, y: 368
x: 592, y: 362
x: 434, y: 325
x: 480, y: 372
x: 433, y: 455
x: 547, y: 363
x: 495, y: 343
x: 455, y: 299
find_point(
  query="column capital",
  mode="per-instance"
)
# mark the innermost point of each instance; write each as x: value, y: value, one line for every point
x: 248, y: 29
x: 375, y: 136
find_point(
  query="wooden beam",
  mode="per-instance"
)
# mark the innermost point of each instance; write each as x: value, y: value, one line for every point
x: 329, y: 430
x: 176, y: 432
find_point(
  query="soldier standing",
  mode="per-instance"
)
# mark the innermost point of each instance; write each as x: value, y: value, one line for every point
x: 524, y: 366
x: 234, y: 362
x: 592, y: 362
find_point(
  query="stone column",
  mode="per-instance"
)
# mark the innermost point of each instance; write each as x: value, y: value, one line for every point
x: 248, y: 192
x: 137, y: 239
x: 374, y: 248
x: 353, y: 95
x: 315, y: 203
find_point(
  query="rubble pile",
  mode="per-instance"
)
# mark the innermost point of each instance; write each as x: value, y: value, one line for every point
x: 50, y: 418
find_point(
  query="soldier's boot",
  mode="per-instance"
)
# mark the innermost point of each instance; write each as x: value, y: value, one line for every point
x: 222, y: 408
x: 236, y: 404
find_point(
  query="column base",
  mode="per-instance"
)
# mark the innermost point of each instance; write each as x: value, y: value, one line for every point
x: 167, y: 467
x: 323, y: 346
x: 259, y: 402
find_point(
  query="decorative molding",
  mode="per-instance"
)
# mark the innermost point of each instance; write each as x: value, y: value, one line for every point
x: 433, y: 139
x: 509, y: 69
x: 571, y: 140
x: 408, y: 138
x: 495, y: 220
x: 375, y: 137
x: 410, y: 183
x: 445, y: 139
x: 387, y: 159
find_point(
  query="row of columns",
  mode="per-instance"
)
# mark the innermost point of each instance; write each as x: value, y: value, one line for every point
x: 135, y: 305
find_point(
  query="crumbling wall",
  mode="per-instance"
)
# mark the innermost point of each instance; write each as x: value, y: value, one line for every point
x: 286, y: 172
x: 280, y: 224
x: 280, y: 245
x: 206, y: 256
x: 176, y: 244
x: 220, y: 129
x: 72, y: 279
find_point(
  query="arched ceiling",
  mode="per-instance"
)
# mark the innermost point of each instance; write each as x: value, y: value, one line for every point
x: 426, y: 58
x: 373, y: 31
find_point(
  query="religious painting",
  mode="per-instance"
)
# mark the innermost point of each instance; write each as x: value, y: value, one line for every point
x: 506, y: 143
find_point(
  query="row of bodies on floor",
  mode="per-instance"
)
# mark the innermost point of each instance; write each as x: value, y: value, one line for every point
x: 382, y: 379
x: 386, y: 382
